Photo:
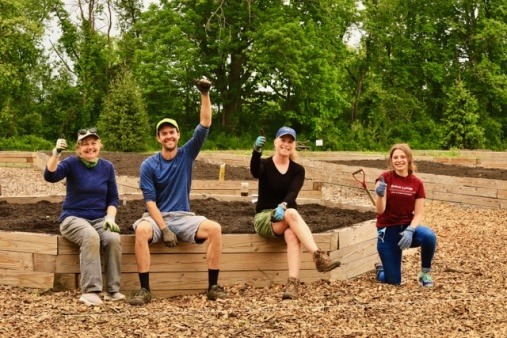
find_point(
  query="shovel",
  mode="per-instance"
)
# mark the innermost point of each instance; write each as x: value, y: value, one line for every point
x: 363, y: 183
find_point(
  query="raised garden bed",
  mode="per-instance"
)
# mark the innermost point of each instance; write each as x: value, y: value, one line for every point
x: 42, y: 260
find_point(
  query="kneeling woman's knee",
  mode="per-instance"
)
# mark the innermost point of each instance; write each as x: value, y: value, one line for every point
x: 428, y: 234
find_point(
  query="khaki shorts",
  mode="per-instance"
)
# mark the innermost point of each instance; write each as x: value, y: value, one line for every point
x: 262, y: 224
x: 182, y: 223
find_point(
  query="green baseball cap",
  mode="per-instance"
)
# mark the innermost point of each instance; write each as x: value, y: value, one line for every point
x: 168, y: 121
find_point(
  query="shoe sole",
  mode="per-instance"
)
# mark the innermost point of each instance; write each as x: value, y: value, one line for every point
x: 89, y: 303
x: 332, y: 266
x: 110, y: 299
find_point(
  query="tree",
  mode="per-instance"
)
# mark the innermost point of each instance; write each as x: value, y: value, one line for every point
x: 273, y: 61
x: 21, y: 31
x: 461, y: 119
x: 123, y: 123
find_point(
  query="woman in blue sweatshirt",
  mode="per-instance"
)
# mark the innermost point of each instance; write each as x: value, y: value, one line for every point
x: 88, y: 214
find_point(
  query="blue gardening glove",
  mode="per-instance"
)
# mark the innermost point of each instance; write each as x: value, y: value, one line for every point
x: 381, y: 189
x: 278, y: 213
x: 61, y: 145
x: 169, y: 237
x: 110, y: 224
x: 406, y: 238
x: 259, y: 143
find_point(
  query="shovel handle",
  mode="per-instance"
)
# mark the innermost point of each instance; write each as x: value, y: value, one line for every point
x: 357, y: 172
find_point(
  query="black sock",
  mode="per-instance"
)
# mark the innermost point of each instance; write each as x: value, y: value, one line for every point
x: 144, y: 278
x: 212, y: 277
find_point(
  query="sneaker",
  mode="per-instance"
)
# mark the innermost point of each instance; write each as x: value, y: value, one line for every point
x: 378, y: 269
x: 291, y: 290
x: 141, y: 297
x: 216, y: 292
x: 114, y: 296
x: 323, y: 262
x: 425, y: 279
x: 91, y: 299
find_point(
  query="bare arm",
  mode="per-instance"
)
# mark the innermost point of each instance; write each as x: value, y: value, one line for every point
x: 205, y: 110
x: 418, y: 212
x: 156, y: 214
x: 52, y: 163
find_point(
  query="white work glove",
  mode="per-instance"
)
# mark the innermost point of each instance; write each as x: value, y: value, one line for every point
x: 61, y: 145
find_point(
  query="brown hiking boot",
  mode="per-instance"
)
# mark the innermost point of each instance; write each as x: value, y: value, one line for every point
x: 141, y: 297
x: 216, y: 292
x: 323, y: 262
x: 291, y: 290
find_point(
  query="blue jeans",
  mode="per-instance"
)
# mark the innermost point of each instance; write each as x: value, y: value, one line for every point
x: 390, y: 254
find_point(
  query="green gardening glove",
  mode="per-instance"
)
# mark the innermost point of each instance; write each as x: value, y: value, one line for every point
x: 110, y: 224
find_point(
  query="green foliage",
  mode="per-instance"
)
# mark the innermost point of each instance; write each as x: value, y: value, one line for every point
x: 25, y: 143
x: 123, y: 123
x: 461, y: 120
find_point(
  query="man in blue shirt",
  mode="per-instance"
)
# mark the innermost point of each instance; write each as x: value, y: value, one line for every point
x: 165, y: 181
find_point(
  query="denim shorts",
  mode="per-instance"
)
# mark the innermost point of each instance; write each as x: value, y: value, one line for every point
x: 182, y: 223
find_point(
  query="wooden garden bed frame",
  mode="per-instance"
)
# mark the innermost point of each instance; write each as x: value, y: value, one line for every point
x: 52, y: 262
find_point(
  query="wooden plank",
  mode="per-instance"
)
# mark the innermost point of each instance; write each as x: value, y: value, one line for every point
x: 240, y: 262
x: 44, y: 263
x: 199, y: 280
x: 231, y: 243
x: 20, y: 261
x: 355, y: 268
x: 482, y: 201
x: 65, y: 282
x: 28, y: 242
x: 32, y: 199
x: 350, y: 254
x: 15, y: 165
x: 356, y: 234
x: 490, y: 191
x: 27, y: 279
x: 502, y: 194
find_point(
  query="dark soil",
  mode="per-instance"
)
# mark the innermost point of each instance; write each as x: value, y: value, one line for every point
x: 436, y: 168
x: 234, y: 217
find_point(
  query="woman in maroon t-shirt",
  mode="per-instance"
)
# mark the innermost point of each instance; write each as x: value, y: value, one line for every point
x: 400, y: 205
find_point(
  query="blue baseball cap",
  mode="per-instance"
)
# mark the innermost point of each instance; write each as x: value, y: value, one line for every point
x: 286, y: 131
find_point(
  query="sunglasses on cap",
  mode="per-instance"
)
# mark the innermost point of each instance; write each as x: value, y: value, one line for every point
x: 84, y: 131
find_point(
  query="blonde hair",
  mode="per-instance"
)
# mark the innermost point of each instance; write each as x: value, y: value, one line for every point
x: 408, y: 152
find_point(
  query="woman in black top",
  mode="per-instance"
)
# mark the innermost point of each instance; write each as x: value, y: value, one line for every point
x: 280, y: 180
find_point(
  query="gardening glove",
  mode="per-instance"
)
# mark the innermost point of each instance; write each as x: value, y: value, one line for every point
x: 259, y: 143
x: 278, y: 213
x: 110, y: 224
x: 61, y: 145
x: 406, y: 238
x: 169, y: 237
x: 203, y: 85
x: 381, y: 189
